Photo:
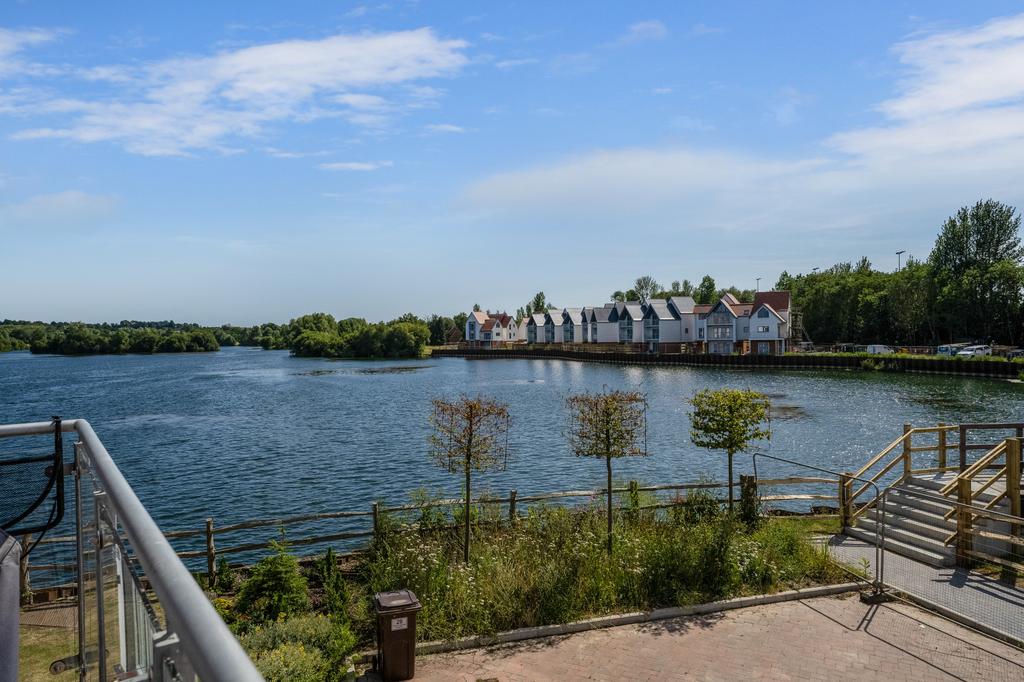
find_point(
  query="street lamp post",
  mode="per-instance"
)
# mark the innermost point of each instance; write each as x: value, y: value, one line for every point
x: 757, y: 286
x: 899, y: 260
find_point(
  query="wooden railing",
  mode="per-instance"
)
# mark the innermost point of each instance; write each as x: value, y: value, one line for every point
x: 513, y: 504
x: 871, y: 478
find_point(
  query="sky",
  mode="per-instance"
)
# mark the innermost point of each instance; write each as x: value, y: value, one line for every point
x: 241, y: 162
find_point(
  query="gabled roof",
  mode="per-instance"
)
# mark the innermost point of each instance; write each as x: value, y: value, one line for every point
x: 537, y: 319
x: 769, y: 309
x: 730, y: 299
x: 585, y: 314
x: 702, y: 308
x: 635, y: 309
x: 660, y: 308
x: 603, y: 314
x: 489, y: 324
x: 550, y: 315
x: 682, y: 304
x: 778, y: 300
x: 574, y: 315
x: 479, y: 315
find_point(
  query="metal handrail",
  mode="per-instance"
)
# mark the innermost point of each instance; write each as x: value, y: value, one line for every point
x: 204, y: 637
x: 879, y: 582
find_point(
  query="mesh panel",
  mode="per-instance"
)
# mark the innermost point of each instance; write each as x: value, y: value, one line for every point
x: 29, y: 487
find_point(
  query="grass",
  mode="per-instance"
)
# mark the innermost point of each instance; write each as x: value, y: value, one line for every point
x: 810, y: 525
x: 41, y: 646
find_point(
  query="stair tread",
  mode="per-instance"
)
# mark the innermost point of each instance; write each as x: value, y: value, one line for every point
x: 904, y: 548
x: 918, y: 515
x: 938, y: 528
x: 909, y: 536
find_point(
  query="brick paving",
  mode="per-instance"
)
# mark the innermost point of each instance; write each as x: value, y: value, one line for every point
x: 828, y: 638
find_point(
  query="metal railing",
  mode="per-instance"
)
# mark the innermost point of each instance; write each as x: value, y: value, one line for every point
x: 140, y: 613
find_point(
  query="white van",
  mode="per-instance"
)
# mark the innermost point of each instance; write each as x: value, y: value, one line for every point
x: 975, y: 351
x: 879, y: 349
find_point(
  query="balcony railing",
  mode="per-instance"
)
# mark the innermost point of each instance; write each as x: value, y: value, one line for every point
x: 140, y: 613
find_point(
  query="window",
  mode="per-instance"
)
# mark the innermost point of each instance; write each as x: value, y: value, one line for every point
x: 746, y: 330
x: 762, y: 313
x: 763, y: 348
x: 762, y: 329
x: 700, y: 333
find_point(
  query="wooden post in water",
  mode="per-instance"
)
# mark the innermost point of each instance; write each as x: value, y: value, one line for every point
x: 211, y: 556
x: 512, y: 508
x: 907, y: 453
x: 942, y: 445
x: 963, y: 523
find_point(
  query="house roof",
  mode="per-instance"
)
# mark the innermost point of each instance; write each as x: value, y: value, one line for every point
x: 778, y: 300
x: 537, y: 319
x: 479, y: 315
x: 635, y: 309
x: 574, y: 314
x: 602, y: 314
x: 730, y: 299
x: 660, y: 308
x: 703, y: 308
x: 489, y: 324
x: 683, y: 304
x: 770, y: 309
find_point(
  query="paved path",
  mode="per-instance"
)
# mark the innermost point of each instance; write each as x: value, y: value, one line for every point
x: 978, y: 597
x: 829, y: 638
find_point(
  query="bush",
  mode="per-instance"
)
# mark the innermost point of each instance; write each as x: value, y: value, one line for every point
x: 292, y: 663
x: 335, y: 601
x: 274, y: 589
x: 334, y: 641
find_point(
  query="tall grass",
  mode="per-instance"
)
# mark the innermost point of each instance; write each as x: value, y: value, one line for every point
x: 551, y: 566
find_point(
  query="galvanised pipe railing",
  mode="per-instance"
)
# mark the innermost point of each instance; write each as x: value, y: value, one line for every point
x: 195, y: 639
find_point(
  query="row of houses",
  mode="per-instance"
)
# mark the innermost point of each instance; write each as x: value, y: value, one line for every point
x: 672, y: 325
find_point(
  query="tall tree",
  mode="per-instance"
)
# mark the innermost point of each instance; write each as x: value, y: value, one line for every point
x: 469, y: 434
x: 646, y: 287
x: 706, y: 290
x: 608, y: 425
x: 728, y: 419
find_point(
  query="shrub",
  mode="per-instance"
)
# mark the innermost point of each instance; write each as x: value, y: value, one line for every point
x: 334, y: 641
x: 333, y: 583
x: 292, y: 663
x: 275, y: 588
x: 226, y: 578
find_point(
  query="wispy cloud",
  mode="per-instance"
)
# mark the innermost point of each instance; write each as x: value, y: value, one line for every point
x: 15, y: 41
x: 953, y: 132
x: 355, y: 165
x: 785, y: 106
x: 59, y: 210
x: 444, y: 128
x: 512, y: 63
x: 643, y: 31
x: 175, y: 106
x: 661, y: 91
x: 702, y: 29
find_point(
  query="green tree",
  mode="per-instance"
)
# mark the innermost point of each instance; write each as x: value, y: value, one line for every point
x: 646, y: 287
x: 275, y: 588
x: 705, y: 293
x: 608, y: 425
x: 728, y: 419
x: 469, y: 434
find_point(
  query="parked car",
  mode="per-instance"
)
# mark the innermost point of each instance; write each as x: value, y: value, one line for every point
x: 951, y: 349
x: 1015, y: 354
x: 879, y: 349
x: 975, y: 351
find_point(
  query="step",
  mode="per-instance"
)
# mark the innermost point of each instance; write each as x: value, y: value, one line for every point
x: 897, y: 510
x: 908, y: 499
x: 904, y: 549
x: 935, y: 528
x: 909, y: 536
x: 933, y: 486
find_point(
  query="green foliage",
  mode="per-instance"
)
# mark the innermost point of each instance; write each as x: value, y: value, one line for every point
x: 706, y: 290
x: 309, y: 647
x: 318, y: 335
x: 226, y: 578
x: 82, y: 339
x: 552, y: 567
x: 728, y: 419
x: 336, y: 596
x: 275, y: 588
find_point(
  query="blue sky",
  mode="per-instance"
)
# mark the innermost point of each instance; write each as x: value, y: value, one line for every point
x: 242, y: 162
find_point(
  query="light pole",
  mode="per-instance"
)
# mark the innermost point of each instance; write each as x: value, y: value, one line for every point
x: 899, y: 260
x: 814, y: 270
x: 757, y: 286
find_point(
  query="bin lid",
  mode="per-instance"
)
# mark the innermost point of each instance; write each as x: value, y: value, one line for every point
x: 398, y: 599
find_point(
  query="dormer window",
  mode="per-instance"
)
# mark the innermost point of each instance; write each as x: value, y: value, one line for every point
x: 762, y: 313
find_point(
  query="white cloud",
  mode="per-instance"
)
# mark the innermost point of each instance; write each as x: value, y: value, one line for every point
x: 183, y: 104
x: 643, y: 31
x: 512, y: 63
x: 60, y: 210
x: 355, y: 165
x: 661, y: 91
x: 945, y: 141
x: 444, y: 128
x: 702, y: 29
x: 14, y: 41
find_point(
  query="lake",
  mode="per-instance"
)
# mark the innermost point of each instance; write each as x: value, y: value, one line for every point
x: 248, y: 433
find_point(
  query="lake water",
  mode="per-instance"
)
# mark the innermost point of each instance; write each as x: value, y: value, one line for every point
x: 247, y: 433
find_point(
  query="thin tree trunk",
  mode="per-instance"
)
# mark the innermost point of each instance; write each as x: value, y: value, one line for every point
x: 465, y: 544
x: 608, y: 461
x: 730, y: 480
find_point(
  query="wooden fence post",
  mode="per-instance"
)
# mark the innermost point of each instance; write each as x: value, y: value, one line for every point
x: 512, y: 508
x: 211, y: 556
x: 24, y: 583
x: 907, y: 453
x: 845, y: 510
x: 1013, y: 451
x: 964, y: 517
x: 942, y: 445
x: 376, y: 520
